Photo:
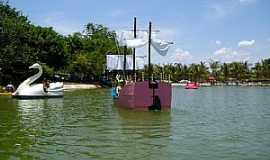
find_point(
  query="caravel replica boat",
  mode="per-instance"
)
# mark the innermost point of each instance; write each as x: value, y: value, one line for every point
x: 149, y: 94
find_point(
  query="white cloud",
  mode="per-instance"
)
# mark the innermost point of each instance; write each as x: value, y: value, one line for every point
x: 246, y: 43
x: 182, y: 56
x: 219, y: 11
x: 218, y: 42
x: 229, y: 55
x: 117, y: 13
x: 224, y: 9
x: 247, y: 1
x: 167, y: 34
x: 224, y: 52
x: 58, y: 21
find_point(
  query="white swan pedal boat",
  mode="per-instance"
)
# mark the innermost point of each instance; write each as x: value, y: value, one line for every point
x: 28, y: 90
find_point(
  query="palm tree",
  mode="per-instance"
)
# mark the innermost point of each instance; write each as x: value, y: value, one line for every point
x: 169, y: 70
x: 157, y: 70
x: 258, y: 70
x: 266, y: 68
x: 225, y: 71
x: 178, y: 71
x: 246, y: 69
x: 193, y: 72
x: 185, y: 72
x: 235, y: 68
x: 203, y: 71
x: 215, y: 67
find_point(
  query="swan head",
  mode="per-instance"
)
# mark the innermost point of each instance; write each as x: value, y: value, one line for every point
x: 36, y: 65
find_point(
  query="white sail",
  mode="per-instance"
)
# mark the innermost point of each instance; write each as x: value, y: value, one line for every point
x: 116, y: 62
x: 126, y: 38
x: 161, y: 46
x: 136, y: 43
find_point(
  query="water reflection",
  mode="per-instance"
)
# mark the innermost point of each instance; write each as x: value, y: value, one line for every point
x: 22, y: 125
x: 208, y: 123
x: 149, y: 130
x: 33, y: 112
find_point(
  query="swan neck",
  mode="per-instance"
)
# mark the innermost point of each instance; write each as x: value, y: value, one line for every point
x: 36, y: 76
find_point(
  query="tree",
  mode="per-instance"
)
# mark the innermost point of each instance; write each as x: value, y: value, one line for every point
x: 258, y: 70
x: 266, y: 68
x: 215, y: 68
x: 225, y: 71
x: 22, y: 44
x: 203, y: 71
x: 84, y: 53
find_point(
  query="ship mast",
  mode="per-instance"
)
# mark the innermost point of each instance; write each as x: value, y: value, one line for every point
x: 134, y: 51
x: 149, y: 53
x: 125, y: 61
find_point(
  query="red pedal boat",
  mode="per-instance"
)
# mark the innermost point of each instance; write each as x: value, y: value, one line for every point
x: 192, y: 85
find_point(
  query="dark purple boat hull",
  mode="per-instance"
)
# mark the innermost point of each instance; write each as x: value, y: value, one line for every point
x: 139, y: 96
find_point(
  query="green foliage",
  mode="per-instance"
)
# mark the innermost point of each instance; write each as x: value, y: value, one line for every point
x: 2, y: 90
x: 22, y: 44
x: 47, y: 70
x: 84, y: 54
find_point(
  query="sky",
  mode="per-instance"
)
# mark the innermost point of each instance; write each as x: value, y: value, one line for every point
x: 202, y: 30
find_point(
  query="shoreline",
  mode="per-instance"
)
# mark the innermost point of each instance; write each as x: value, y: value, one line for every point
x: 249, y: 84
x: 68, y: 86
x: 78, y: 86
x: 5, y: 93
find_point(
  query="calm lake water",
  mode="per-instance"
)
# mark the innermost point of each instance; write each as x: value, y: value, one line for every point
x: 208, y: 123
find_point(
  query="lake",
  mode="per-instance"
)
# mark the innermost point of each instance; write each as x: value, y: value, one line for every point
x: 208, y: 123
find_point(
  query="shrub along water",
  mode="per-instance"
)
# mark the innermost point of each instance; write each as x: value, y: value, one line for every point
x: 83, y: 54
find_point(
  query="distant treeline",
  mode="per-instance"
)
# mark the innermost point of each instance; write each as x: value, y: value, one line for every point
x: 83, y: 54
x: 214, y: 70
